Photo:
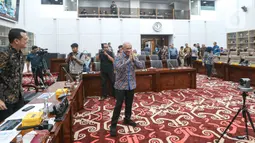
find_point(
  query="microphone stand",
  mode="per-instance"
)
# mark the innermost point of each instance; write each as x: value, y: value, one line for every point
x: 172, y: 67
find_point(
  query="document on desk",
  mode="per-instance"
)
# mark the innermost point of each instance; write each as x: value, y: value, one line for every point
x: 8, y: 136
x: 46, y: 95
x: 20, y: 114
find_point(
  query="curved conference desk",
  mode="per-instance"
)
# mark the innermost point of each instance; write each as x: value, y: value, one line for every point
x: 155, y: 80
x: 229, y: 72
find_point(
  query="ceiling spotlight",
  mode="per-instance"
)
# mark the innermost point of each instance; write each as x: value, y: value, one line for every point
x: 192, y: 1
x: 204, y: 2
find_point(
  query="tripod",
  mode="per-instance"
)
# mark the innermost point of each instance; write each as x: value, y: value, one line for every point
x: 245, y: 114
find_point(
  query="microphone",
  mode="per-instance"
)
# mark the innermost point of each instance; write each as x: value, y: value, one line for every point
x: 172, y: 67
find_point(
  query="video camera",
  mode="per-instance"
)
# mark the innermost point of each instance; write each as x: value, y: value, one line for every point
x: 245, y: 85
x: 42, y: 52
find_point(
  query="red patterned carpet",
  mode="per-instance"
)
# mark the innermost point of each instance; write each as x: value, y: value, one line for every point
x: 28, y: 79
x: 176, y: 116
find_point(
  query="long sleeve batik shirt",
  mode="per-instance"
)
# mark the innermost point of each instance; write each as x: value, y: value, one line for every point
x: 11, y: 72
x: 125, y: 72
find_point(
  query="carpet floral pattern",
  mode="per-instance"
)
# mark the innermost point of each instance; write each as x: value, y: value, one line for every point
x: 175, y: 116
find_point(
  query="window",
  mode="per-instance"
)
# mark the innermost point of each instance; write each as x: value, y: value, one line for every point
x: 54, y: 2
x: 207, y: 5
x: 194, y: 4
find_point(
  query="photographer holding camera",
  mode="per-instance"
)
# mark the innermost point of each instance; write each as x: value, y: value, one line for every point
x: 36, y: 59
x: 75, y: 61
x: 106, y: 69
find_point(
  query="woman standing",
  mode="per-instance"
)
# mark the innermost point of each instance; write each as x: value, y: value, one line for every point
x: 208, y: 61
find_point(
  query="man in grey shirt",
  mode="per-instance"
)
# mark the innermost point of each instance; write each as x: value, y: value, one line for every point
x: 75, y: 61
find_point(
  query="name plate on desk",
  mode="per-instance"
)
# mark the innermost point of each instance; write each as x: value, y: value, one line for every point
x: 151, y: 69
x: 252, y: 65
x: 235, y: 64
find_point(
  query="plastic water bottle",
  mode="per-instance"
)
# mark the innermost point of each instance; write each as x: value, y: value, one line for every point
x: 19, y: 139
x: 45, y: 109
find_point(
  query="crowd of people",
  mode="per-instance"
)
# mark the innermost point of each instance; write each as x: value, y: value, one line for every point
x: 185, y: 55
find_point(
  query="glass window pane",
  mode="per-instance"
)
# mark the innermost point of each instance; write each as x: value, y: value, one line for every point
x: 194, y: 7
x: 207, y: 5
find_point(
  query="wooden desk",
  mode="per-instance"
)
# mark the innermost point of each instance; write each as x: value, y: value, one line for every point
x: 54, y: 66
x: 229, y: 72
x: 152, y: 80
x: 236, y: 72
x: 62, y: 131
x: 219, y: 67
x: 199, y: 67
x: 176, y: 79
x: 220, y: 70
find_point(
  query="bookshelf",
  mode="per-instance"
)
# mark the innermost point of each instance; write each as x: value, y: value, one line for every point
x: 252, y: 39
x: 231, y: 41
x: 241, y: 40
x: 4, y: 41
x: 4, y: 36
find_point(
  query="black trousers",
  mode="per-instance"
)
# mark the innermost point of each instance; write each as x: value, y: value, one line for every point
x: 208, y: 70
x: 121, y: 95
x: 11, y: 108
x: 187, y: 61
x: 193, y: 59
x: 107, y: 76
x: 37, y: 72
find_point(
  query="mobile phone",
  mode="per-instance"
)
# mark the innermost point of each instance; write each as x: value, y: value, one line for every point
x: 28, y: 108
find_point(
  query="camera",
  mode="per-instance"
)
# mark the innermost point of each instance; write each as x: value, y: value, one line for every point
x: 245, y: 85
x: 245, y: 82
x: 42, y: 52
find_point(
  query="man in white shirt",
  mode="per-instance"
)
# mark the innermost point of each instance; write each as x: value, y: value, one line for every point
x: 194, y: 54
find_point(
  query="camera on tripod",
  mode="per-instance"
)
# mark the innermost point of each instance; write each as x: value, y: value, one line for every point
x: 245, y: 87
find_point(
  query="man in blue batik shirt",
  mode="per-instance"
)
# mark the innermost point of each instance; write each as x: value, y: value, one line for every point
x: 216, y: 49
x: 125, y: 84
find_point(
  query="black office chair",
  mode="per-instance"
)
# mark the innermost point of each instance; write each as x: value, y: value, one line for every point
x: 30, y: 93
x: 172, y: 63
x: 142, y: 57
x: 156, y: 64
x: 96, y: 66
x: 147, y: 53
x: 143, y: 63
x: 154, y: 57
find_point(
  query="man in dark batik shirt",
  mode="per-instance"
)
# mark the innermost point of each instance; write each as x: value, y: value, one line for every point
x: 11, y: 69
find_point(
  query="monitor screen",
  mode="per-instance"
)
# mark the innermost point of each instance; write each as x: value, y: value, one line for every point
x: 9, y: 9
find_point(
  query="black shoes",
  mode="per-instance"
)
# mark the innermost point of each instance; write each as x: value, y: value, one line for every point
x: 113, y: 131
x: 129, y: 122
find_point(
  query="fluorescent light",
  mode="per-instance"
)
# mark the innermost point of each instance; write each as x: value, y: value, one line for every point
x: 204, y: 2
